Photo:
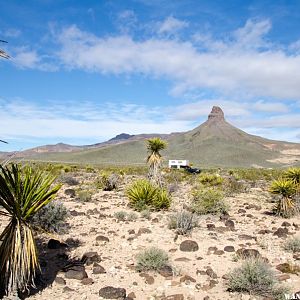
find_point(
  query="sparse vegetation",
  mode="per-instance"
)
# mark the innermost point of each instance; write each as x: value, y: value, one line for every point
x: 124, y: 216
x: 143, y: 194
x: 146, y: 213
x: 292, y: 245
x: 210, y: 179
x: 68, y: 179
x: 84, y: 195
x: 154, y: 159
x: 151, y: 259
x: 108, y: 182
x: 51, y: 217
x: 23, y: 192
x: 286, y: 206
x: 256, y: 278
x: 183, y: 222
x: 209, y: 201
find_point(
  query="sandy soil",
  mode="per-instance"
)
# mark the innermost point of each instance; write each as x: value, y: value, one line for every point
x: 248, y: 212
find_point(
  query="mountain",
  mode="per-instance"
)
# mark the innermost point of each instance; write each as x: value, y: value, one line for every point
x: 215, y: 143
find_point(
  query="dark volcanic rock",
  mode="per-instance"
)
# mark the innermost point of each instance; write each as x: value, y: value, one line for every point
x: 229, y: 249
x: 248, y: 253
x: 55, y: 244
x: 166, y: 271
x: 110, y: 292
x: 102, y: 238
x: 76, y: 272
x: 281, y: 232
x: 189, y: 246
x: 90, y: 257
x: 70, y: 192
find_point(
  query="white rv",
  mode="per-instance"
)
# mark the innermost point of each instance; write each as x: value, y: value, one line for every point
x: 176, y: 163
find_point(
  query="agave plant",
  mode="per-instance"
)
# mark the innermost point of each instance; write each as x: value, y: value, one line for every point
x: 293, y: 174
x: 154, y: 158
x: 286, y: 205
x: 23, y: 192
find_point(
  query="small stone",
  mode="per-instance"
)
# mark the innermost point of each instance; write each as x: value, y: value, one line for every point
x: 143, y: 231
x: 241, y: 211
x: 229, y: 249
x: 187, y: 279
x: 97, y: 269
x: 148, y: 278
x: 132, y: 295
x: 166, y: 271
x: 102, y: 238
x: 55, y: 244
x: 76, y: 272
x: 110, y: 292
x: 87, y: 281
x: 131, y: 231
x: 219, y: 252
x: 246, y: 237
x: 230, y: 224
x: 70, y: 192
x: 264, y: 231
x: 248, y: 253
x: 184, y: 259
x: 210, y: 272
x: 66, y: 289
x: 211, y: 226
x: 283, y: 277
x: 281, y: 232
x: 60, y: 280
x: 173, y: 297
x: 90, y: 257
x: 286, y: 224
x: 189, y: 246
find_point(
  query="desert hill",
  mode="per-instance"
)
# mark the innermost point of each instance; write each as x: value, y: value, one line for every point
x: 215, y: 143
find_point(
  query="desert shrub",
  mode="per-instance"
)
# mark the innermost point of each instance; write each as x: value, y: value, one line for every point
x: 151, y: 259
x: 108, y: 182
x: 286, y: 206
x: 146, y: 213
x: 292, y: 245
x: 124, y: 216
x: 143, y: 194
x: 254, y: 174
x: 132, y: 216
x: 183, y: 222
x: 67, y: 179
x: 208, y: 201
x: 84, y: 196
x: 120, y: 215
x: 90, y: 169
x: 256, y: 278
x: 210, y: 179
x: 51, y: 218
x: 233, y: 186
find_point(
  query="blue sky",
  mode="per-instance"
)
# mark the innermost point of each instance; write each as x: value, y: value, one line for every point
x: 83, y: 71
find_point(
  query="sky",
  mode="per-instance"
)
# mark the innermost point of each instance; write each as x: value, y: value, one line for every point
x: 82, y: 72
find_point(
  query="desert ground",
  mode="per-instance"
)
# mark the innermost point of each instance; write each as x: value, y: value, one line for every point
x: 199, y: 270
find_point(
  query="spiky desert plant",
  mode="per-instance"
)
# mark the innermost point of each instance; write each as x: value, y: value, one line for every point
x: 23, y: 192
x: 293, y: 174
x: 286, y: 205
x: 154, y: 159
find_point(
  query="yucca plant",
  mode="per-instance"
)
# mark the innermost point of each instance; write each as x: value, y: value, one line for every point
x: 23, y: 192
x: 154, y: 159
x: 286, y: 205
x: 143, y: 194
x: 293, y: 174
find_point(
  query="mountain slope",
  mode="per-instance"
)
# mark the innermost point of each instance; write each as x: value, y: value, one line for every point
x: 213, y: 143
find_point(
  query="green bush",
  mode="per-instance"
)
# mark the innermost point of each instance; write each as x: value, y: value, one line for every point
x: 124, y: 216
x: 292, y: 245
x: 209, y: 201
x: 143, y: 194
x: 51, y: 218
x: 146, y: 213
x: 183, y: 222
x: 108, y: 182
x: 256, y: 278
x: 84, y: 196
x: 151, y: 259
x: 210, y: 179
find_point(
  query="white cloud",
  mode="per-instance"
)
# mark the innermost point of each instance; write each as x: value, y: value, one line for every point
x: 171, y: 25
x: 223, y: 66
x: 12, y: 32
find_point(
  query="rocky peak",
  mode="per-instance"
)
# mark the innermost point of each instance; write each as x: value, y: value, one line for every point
x: 216, y: 114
